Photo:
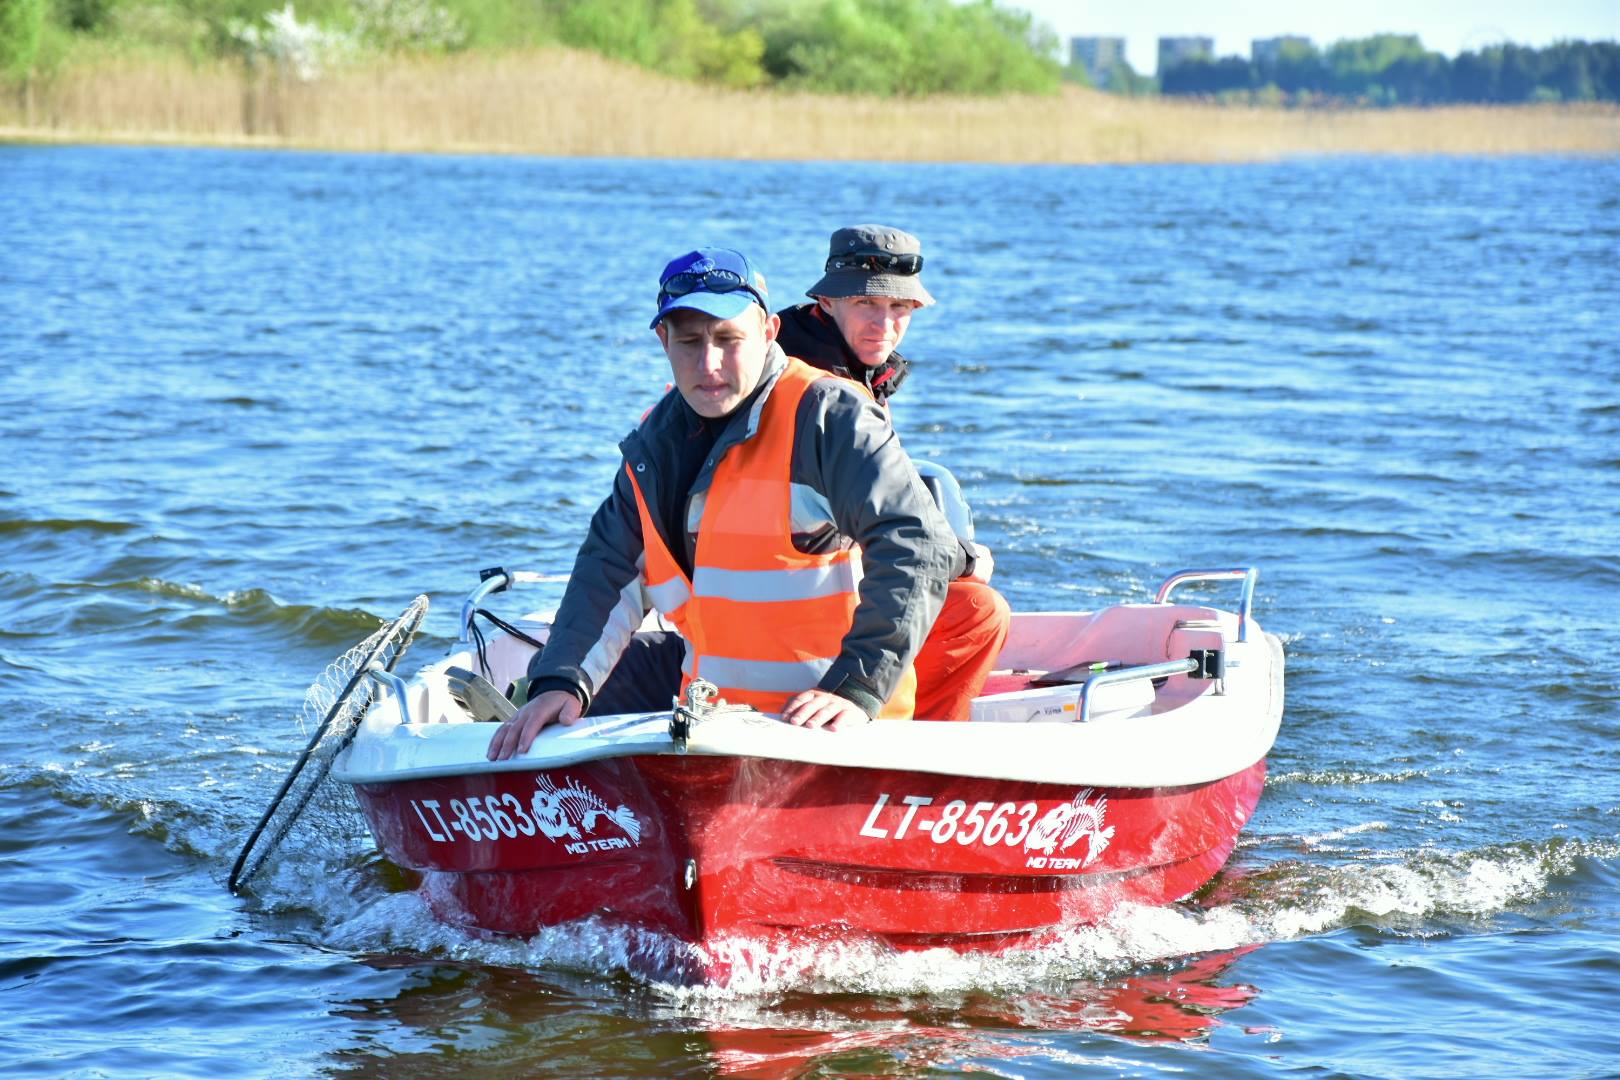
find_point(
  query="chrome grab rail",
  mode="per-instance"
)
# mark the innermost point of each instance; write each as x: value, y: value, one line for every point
x: 498, y: 579
x: 1249, y: 575
x: 397, y: 685
x: 1130, y: 674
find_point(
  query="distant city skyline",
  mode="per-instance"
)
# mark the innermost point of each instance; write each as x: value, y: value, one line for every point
x: 1445, y: 26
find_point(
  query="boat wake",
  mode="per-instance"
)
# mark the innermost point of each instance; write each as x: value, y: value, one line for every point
x: 1418, y: 894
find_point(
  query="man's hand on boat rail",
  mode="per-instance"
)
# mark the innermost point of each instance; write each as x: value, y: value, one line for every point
x: 516, y: 735
x: 818, y: 708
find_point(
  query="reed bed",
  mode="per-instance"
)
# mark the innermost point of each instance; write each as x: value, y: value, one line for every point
x: 564, y: 103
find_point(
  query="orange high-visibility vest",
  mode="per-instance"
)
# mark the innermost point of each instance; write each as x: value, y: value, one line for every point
x: 763, y: 619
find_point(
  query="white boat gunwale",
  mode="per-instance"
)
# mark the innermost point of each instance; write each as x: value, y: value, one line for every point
x: 1193, y: 735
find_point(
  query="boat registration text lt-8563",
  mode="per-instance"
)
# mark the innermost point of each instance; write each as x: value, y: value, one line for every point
x: 562, y: 808
x: 1044, y: 837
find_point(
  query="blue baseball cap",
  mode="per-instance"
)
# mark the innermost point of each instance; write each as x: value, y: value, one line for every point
x: 716, y: 281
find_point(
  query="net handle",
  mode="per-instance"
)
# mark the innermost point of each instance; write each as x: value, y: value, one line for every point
x: 412, y: 616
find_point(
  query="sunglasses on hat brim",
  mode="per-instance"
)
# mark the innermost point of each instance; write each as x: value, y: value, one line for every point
x: 882, y: 264
x: 714, y: 281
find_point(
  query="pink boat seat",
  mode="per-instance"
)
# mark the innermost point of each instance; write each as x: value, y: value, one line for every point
x: 1129, y: 634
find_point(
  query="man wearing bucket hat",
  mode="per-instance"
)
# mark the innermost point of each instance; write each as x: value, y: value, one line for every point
x: 862, y: 306
x: 768, y: 512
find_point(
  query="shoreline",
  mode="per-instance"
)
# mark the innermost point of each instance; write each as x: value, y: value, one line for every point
x: 560, y: 103
x: 19, y: 136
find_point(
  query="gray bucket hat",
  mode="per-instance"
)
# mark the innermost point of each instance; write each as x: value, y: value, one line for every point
x: 873, y: 260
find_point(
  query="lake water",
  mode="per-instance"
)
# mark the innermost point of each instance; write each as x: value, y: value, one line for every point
x: 250, y: 403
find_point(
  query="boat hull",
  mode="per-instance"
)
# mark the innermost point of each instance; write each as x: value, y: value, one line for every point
x: 710, y: 847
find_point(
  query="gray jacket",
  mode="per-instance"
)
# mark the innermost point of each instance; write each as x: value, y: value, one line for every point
x: 852, y: 483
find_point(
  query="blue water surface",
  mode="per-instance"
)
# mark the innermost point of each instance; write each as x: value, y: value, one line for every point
x: 250, y: 403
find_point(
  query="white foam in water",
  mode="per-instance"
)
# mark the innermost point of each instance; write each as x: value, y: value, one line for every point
x: 1133, y: 936
x: 1324, y: 841
x: 1345, y: 777
x: 1287, y: 905
x: 290, y: 883
x: 402, y: 922
x: 1427, y: 885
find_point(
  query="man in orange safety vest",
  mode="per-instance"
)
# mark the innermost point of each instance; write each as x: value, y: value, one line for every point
x: 768, y: 511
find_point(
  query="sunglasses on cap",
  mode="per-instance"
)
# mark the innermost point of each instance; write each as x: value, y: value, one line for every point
x: 714, y: 281
x: 886, y: 264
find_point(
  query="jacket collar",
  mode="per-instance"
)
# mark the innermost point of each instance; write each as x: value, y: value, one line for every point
x: 775, y: 364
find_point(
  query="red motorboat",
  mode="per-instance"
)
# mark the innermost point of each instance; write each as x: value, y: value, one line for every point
x: 1114, y: 758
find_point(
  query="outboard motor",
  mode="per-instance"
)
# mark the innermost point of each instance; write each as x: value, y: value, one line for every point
x: 948, y: 494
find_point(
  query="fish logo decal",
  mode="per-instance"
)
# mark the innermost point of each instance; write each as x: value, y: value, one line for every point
x: 565, y: 811
x: 1061, y: 827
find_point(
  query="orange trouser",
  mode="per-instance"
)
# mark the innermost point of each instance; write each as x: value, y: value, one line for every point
x: 960, y: 650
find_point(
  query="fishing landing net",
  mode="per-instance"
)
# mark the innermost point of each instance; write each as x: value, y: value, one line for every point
x: 308, y: 815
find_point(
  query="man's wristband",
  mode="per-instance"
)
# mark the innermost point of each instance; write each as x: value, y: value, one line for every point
x: 852, y: 691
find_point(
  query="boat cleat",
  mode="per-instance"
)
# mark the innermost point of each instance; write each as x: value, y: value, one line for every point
x: 700, y: 704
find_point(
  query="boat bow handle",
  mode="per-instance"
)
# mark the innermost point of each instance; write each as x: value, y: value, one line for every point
x: 1248, y: 574
x: 397, y: 685
x: 493, y: 580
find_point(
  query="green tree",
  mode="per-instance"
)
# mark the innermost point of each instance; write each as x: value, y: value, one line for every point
x: 22, y: 25
x: 1477, y: 76
x: 694, y: 46
x: 1519, y: 71
x: 1417, y: 80
x: 906, y: 47
x: 1355, y: 65
x: 1569, y: 69
x: 832, y: 45
x: 1298, y: 66
x: 670, y: 36
x: 84, y: 15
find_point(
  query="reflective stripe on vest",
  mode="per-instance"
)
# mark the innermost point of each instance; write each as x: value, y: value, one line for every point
x: 765, y: 676
x: 763, y: 619
x: 758, y: 586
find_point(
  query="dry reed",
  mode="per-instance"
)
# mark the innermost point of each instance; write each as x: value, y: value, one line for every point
x: 559, y: 102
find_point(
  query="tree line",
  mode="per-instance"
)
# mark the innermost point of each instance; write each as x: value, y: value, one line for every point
x: 882, y: 47
x: 878, y: 47
x: 1395, y: 69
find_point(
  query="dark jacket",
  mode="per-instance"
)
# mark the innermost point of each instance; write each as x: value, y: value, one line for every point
x: 852, y: 483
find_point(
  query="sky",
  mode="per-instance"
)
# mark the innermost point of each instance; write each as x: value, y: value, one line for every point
x: 1446, y: 26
